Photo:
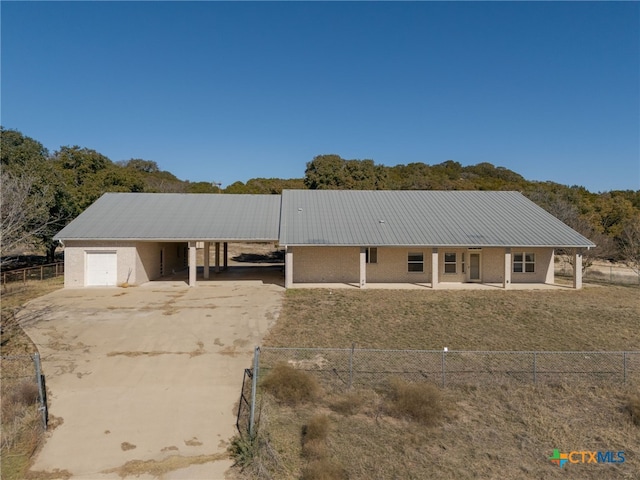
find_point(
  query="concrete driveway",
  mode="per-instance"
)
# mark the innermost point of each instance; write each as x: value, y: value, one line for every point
x: 144, y: 381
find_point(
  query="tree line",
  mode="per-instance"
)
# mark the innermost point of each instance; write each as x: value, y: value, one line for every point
x: 42, y: 191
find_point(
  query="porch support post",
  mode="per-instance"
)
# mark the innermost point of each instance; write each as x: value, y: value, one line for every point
x: 207, y: 247
x: 217, y: 257
x: 435, y: 269
x: 577, y: 269
x: 225, y: 255
x: 363, y: 267
x: 507, y: 268
x: 288, y: 268
x: 193, y: 267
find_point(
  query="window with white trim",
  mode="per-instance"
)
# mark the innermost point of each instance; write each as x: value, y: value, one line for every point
x: 524, y: 262
x: 415, y: 262
x: 372, y: 254
x: 450, y: 263
x: 462, y: 263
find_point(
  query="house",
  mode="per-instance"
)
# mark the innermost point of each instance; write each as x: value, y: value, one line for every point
x: 330, y: 236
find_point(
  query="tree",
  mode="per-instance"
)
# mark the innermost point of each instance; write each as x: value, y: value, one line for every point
x: 24, y: 212
x: 630, y: 247
x: 560, y: 207
x: 332, y: 172
x: 146, y: 166
x: 325, y: 172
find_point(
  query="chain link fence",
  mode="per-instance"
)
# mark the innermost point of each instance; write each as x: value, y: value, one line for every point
x: 23, y: 386
x: 346, y: 368
x: 341, y: 369
x: 601, y: 273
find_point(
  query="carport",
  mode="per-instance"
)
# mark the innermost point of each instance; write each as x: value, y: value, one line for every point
x: 133, y: 238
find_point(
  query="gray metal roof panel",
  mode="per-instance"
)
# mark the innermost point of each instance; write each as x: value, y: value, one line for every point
x: 433, y: 218
x: 174, y: 216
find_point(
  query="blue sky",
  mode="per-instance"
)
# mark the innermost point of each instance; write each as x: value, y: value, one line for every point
x: 227, y: 91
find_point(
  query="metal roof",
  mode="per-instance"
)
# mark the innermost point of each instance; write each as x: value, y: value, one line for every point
x: 175, y: 216
x: 420, y: 218
x: 328, y: 217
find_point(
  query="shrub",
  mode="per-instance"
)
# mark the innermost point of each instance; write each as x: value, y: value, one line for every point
x: 25, y: 394
x: 291, y: 386
x: 421, y: 402
x: 315, y: 449
x: 243, y: 450
x: 314, y: 437
x: 348, y: 404
x: 316, y: 429
x: 323, y: 469
x: 633, y: 407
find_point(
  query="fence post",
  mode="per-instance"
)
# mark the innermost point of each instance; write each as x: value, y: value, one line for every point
x: 444, y: 369
x: 353, y: 347
x: 43, y: 407
x: 535, y: 368
x: 624, y: 367
x: 24, y: 276
x: 254, y: 385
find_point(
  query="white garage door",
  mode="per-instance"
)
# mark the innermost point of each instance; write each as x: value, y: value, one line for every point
x: 102, y: 268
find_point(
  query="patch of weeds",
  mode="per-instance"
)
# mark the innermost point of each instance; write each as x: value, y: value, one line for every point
x: 291, y: 386
x: 243, y: 450
x: 323, y: 469
x: 25, y: 394
x: 349, y: 403
x: 127, y: 446
x: 421, y: 402
x: 633, y: 407
x: 314, y: 438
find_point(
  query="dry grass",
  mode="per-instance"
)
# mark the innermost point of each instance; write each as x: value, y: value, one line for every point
x: 488, y: 432
x: 421, y: 402
x: 595, y: 318
x: 21, y: 422
x: 290, y: 386
x: 633, y: 407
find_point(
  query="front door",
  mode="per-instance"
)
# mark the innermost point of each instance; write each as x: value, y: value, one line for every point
x: 474, y: 267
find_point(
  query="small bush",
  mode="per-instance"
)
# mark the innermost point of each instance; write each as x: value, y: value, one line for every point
x: 243, y: 450
x: 323, y: 469
x: 25, y: 394
x: 291, y: 386
x: 421, y: 402
x: 315, y: 449
x: 633, y: 407
x: 348, y: 404
x: 316, y: 429
x: 314, y: 437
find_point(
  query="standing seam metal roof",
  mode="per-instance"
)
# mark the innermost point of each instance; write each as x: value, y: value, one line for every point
x: 175, y: 216
x: 328, y: 217
x: 420, y: 218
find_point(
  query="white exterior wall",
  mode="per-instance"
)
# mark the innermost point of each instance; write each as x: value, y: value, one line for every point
x: 544, y: 269
x: 137, y: 262
x: 341, y: 265
x: 75, y: 261
x: 392, y: 266
x: 326, y: 264
x: 459, y: 276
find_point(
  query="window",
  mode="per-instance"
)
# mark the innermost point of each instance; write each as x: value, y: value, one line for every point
x: 524, y: 262
x: 450, y: 263
x: 372, y: 255
x: 415, y: 262
x: 462, y: 263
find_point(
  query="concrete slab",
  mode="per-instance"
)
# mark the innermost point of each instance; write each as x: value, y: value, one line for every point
x: 144, y: 381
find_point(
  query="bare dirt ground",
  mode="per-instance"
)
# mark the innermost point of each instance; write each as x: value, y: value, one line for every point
x: 143, y: 381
